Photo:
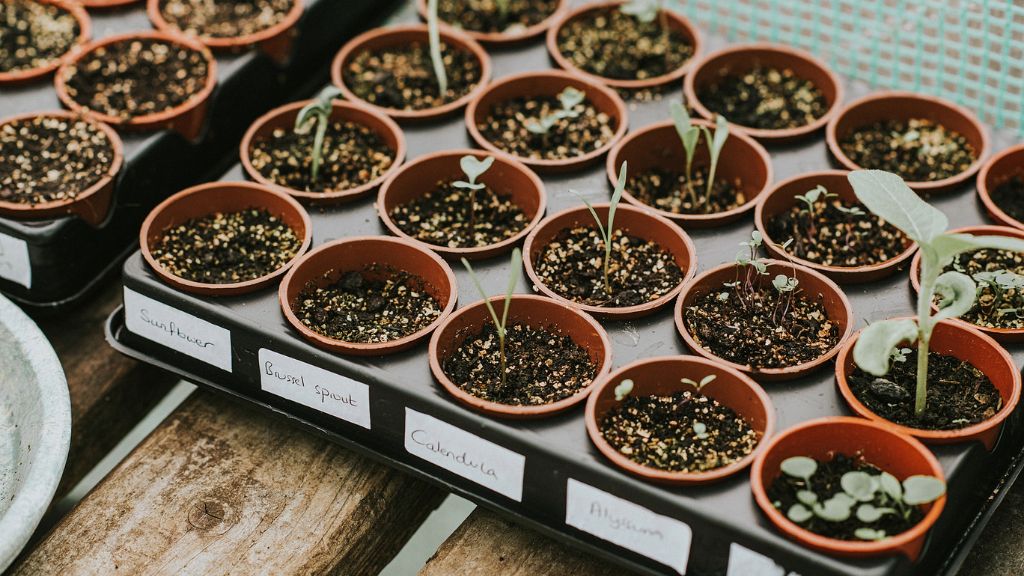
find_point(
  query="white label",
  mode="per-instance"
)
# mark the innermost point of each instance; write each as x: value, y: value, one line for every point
x: 745, y: 562
x: 14, y: 263
x: 314, y: 387
x: 629, y: 525
x: 465, y: 454
x: 177, y: 330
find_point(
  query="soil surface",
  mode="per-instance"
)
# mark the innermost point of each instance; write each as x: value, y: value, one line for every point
x: 919, y: 150
x: 33, y: 35
x: 227, y: 248
x: 224, y: 19
x: 506, y: 128
x: 959, y: 394
x: 611, y: 44
x: 374, y: 305
x: 44, y: 159
x: 137, y: 77
x: 765, y: 98
x: 542, y: 366
x: 995, y: 306
x: 353, y: 155
x: 1009, y: 196
x: 572, y: 265
x: 402, y: 77
x: 668, y: 190
x: 485, y: 15
x: 459, y: 218
x: 659, y: 432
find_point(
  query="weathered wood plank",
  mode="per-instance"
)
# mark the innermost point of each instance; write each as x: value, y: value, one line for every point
x: 221, y: 489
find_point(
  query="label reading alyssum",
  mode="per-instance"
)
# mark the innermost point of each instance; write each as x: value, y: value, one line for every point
x: 629, y: 525
x: 314, y: 387
x: 178, y: 330
x: 14, y: 262
x: 465, y: 454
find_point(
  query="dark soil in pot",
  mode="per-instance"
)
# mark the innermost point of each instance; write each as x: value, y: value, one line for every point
x: 542, y: 366
x: 137, y: 77
x: 959, y: 394
x: 506, y: 128
x: 33, y: 34
x: 220, y: 19
x: 227, y: 248
x: 684, y: 432
x: 43, y: 159
x: 1009, y: 196
x: 402, y: 77
x: 484, y: 15
x: 825, y: 483
x: 995, y: 306
x: 765, y: 98
x: 352, y: 156
x: 376, y: 304
x: 611, y: 44
x: 668, y: 190
x: 919, y: 150
x: 571, y: 265
x: 459, y: 218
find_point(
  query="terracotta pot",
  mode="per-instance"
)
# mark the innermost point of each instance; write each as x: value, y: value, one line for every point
x: 994, y: 173
x: 880, y: 446
x: 276, y: 41
x: 661, y: 377
x: 223, y: 197
x: 505, y: 177
x: 676, y: 22
x: 964, y: 342
x: 284, y: 118
x: 742, y: 58
x: 84, y: 32
x: 893, y: 105
x: 325, y: 265
x: 535, y: 311
x: 92, y: 205
x: 186, y: 119
x: 813, y: 285
x: 106, y: 3
x: 503, y: 39
x: 782, y: 198
x: 547, y: 84
x: 379, y: 38
x: 635, y: 221
x: 658, y: 146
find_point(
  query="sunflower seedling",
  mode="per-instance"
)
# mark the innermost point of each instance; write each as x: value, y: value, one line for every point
x: 607, y: 230
x: 500, y: 322
x: 689, y: 135
x: 569, y: 98
x: 473, y: 169
x: 703, y: 381
x: 623, y: 389
x: 318, y: 113
x: 434, y: 37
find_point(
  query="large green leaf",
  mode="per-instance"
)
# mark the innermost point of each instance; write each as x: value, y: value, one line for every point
x: 889, y: 198
x: 875, y: 345
x: 958, y: 292
x: 947, y: 246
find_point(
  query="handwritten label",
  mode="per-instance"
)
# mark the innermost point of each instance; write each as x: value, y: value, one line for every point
x: 314, y: 387
x: 178, y: 330
x: 745, y: 562
x: 14, y: 262
x: 465, y: 454
x: 629, y: 525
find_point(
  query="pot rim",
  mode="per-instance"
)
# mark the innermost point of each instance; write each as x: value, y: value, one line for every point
x: 222, y: 43
x: 985, y: 195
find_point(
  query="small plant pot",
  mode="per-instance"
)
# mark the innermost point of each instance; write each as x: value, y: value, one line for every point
x: 380, y: 38
x: 284, y: 118
x: 1002, y: 167
x: 658, y: 146
x: 635, y: 221
x: 275, y: 41
x: 964, y: 342
x: 325, y: 265
x: 812, y: 284
x: 881, y: 446
x: 676, y: 22
x: 883, y: 106
x: 187, y: 119
x: 503, y: 39
x: 782, y: 198
x: 535, y: 311
x: 661, y: 377
x: 84, y: 33
x: 222, y: 197
x: 505, y: 177
x: 547, y: 84
x: 742, y: 58
x: 91, y: 205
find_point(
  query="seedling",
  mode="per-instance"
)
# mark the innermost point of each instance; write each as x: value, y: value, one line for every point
x: 689, y: 135
x: 900, y: 354
x: 810, y: 200
x: 317, y: 112
x: 646, y: 11
x: 434, y: 36
x: 569, y: 98
x: 500, y: 323
x: 786, y: 286
x: 715, y: 144
x: 700, y: 430
x: 1000, y: 282
x: 703, y: 381
x: 473, y: 169
x: 888, y: 197
x: 748, y: 265
x: 623, y: 389
x: 608, y: 230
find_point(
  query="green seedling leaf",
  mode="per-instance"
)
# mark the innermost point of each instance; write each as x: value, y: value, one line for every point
x: 643, y: 10
x: 859, y: 485
x: 957, y: 292
x: 799, y: 513
x: 868, y: 513
x: 875, y: 344
x: 891, y: 486
x: 869, y: 534
x: 834, y: 509
x: 500, y: 323
x: 473, y: 169
x: 921, y: 489
x: 700, y: 429
x: 623, y: 389
x: 571, y: 97
x: 434, y: 36
x: 947, y: 246
x: 891, y: 199
x: 807, y: 497
x: 799, y: 467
